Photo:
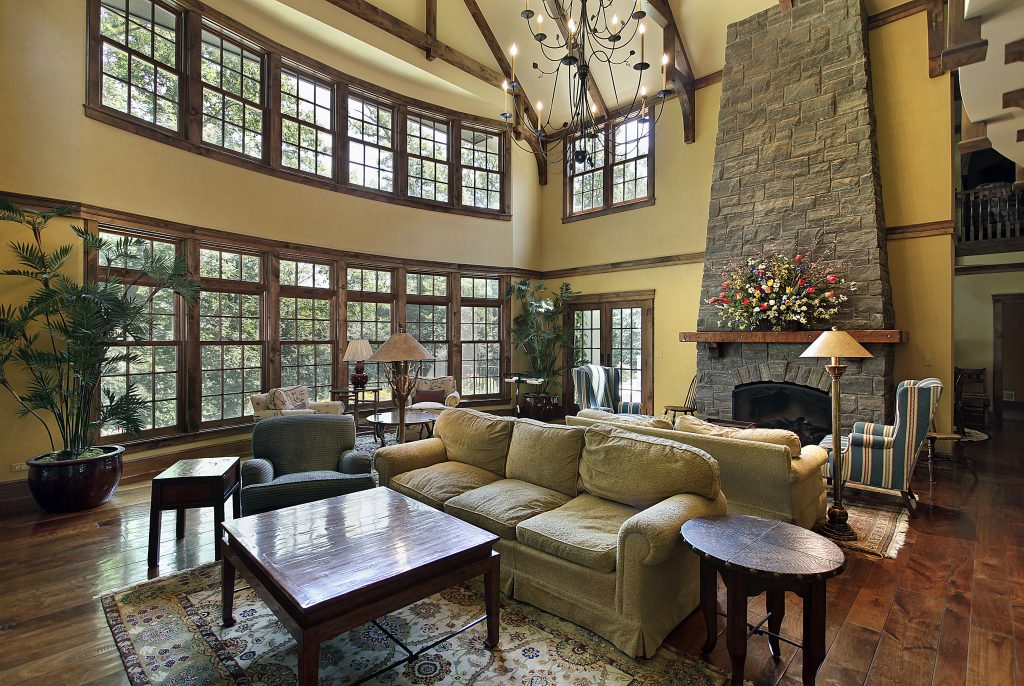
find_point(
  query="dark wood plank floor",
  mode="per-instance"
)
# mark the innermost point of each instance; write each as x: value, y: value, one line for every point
x: 949, y: 610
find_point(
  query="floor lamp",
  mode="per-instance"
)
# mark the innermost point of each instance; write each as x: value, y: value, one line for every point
x: 836, y: 344
x: 399, y: 351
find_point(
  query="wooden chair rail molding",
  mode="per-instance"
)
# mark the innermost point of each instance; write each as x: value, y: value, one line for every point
x: 714, y: 339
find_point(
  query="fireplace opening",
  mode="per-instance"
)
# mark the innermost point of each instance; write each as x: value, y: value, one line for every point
x: 803, y: 410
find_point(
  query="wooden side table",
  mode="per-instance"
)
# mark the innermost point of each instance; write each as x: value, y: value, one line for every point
x: 356, y: 395
x: 205, y: 482
x: 755, y: 556
x: 959, y: 454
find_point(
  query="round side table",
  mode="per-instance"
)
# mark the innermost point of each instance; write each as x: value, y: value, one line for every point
x: 755, y: 556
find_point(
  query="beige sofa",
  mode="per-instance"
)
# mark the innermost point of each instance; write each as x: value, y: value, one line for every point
x: 589, y: 519
x: 762, y: 479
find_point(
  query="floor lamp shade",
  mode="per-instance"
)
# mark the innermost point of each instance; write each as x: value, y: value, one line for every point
x: 399, y: 351
x: 835, y: 343
x: 401, y: 347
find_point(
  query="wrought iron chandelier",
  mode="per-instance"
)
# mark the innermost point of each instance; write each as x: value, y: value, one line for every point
x: 585, y: 39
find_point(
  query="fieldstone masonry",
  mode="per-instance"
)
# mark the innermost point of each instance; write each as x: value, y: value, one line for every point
x: 796, y: 169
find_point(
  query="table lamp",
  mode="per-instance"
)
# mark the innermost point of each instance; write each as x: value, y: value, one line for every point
x: 357, y: 351
x: 836, y: 344
x: 400, y: 350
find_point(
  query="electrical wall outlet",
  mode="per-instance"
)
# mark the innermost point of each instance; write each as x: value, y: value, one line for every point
x: 1010, y: 396
x: 928, y: 359
x: 19, y: 467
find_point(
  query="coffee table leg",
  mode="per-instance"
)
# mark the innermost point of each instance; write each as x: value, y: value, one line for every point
x: 776, y: 601
x: 218, y: 533
x: 709, y: 605
x: 309, y: 661
x: 814, y: 630
x: 227, y: 589
x: 736, y: 624
x: 492, y: 579
x: 154, y: 528
x: 179, y: 523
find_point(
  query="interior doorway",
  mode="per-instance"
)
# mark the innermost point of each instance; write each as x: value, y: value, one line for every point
x: 1007, y: 358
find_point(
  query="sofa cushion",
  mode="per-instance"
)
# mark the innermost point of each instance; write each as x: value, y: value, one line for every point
x: 631, y: 419
x: 585, y: 531
x: 475, y: 438
x: 692, y: 425
x: 642, y: 470
x: 545, y: 454
x: 436, y: 484
x: 775, y: 436
x: 499, y: 506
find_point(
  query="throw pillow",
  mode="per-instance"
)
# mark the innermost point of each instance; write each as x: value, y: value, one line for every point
x: 631, y: 419
x: 475, y: 438
x: 776, y: 436
x: 691, y: 424
x: 430, y: 396
x: 279, y: 400
x: 547, y: 455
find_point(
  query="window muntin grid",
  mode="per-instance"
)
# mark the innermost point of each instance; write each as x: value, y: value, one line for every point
x: 587, y: 176
x: 481, y: 350
x: 479, y: 287
x: 307, y: 124
x: 232, y: 77
x: 215, y: 263
x: 368, y: 280
x: 231, y: 353
x: 481, y: 169
x: 371, y: 321
x: 630, y: 146
x: 627, y: 350
x: 428, y: 324
x: 426, y: 145
x: 371, y: 157
x: 304, y: 274
x: 307, y: 351
x: 426, y: 284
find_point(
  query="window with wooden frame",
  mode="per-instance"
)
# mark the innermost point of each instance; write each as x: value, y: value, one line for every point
x: 307, y: 123
x: 609, y: 169
x: 482, y: 168
x: 426, y: 318
x: 306, y: 326
x: 150, y: 363
x: 428, y: 174
x: 337, y: 132
x: 139, y: 60
x: 371, y: 144
x: 481, y: 336
x: 233, y: 100
x: 369, y: 315
x: 231, y: 326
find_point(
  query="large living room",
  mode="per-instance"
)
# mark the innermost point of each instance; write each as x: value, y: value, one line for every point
x: 357, y: 341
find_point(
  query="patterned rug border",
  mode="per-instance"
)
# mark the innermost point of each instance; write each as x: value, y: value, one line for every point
x: 901, y: 526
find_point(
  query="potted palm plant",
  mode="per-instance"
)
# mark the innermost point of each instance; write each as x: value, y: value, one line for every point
x: 539, y: 330
x: 55, y: 346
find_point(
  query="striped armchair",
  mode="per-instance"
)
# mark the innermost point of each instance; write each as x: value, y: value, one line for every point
x: 302, y: 458
x: 882, y: 458
x: 597, y: 388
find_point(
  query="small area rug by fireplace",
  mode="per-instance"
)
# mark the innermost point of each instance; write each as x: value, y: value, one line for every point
x: 881, y: 529
x: 168, y: 632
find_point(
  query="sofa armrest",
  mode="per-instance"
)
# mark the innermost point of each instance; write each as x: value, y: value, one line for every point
x: 652, y: 535
x: 393, y: 460
x: 871, y: 441
x: 812, y: 459
x: 354, y: 462
x: 872, y: 429
x: 327, y: 407
x: 296, y: 412
x: 257, y: 471
x: 453, y: 399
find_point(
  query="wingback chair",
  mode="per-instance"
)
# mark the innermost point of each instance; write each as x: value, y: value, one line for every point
x: 434, y: 394
x: 882, y: 457
x: 597, y: 388
x: 302, y: 458
x: 291, y: 400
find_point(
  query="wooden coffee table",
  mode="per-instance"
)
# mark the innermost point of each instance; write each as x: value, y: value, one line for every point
x: 330, y: 566
x: 382, y: 420
x: 755, y: 556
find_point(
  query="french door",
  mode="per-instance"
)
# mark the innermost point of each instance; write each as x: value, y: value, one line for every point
x: 615, y: 330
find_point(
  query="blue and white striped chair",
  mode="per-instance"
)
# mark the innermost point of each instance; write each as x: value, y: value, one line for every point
x: 881, y: 458
x: 598, y: 388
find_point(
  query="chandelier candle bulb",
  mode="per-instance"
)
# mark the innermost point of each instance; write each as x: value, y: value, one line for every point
x: 664, y: 71
x: 514, y: 51
x: 643, y: 32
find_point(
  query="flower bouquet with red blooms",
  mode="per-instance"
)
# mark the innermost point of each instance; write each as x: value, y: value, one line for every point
x: 777, y: 292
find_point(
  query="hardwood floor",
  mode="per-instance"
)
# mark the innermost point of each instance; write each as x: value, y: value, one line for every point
x: 948, y: 610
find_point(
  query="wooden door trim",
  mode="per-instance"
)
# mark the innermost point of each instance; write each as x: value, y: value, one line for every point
x: 997, y: 351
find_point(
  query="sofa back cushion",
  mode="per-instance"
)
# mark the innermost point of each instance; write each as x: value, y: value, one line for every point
x: 626, y: 419
x: 692, y: 425
x: 475, y: 438
x: 641, y: 470
x: 546, y: 455
x: 774, y: 436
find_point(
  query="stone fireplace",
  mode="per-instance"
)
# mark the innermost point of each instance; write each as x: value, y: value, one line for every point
x: 796, y: 170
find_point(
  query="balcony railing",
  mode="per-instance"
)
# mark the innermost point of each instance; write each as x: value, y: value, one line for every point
x: 991, y: 220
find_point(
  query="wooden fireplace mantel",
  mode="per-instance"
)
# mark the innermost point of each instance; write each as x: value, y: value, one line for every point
x: 716, y: 338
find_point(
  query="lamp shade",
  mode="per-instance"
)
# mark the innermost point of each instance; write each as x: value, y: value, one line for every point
x: 358, y: 351
x: 401, y: 347
x: 835, y: 343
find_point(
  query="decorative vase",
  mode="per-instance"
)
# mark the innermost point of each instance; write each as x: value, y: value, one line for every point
x: 73, y: 485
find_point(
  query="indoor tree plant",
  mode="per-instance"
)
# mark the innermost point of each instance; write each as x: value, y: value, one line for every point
x: 60, y: 341
x: 540, y: 331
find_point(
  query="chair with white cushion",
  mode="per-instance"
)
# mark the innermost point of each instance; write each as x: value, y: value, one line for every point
x: 434, y: 395
x: 291, y: 400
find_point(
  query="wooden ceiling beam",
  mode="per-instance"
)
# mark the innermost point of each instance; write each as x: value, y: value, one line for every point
x: 431, y: 27
x: 410, y: 34
x: 679, y: 72
x: 556, y: 9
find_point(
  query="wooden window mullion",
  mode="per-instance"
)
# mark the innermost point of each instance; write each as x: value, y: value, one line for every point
x: 399, y: 138
x: 401, y: 299
x: 272, y: 336
x: 192, y: 352
x: 192, y: 73
x: 455, y: 317
x: 272, y: 117
x: 455, y: 166
x: 341, y: 143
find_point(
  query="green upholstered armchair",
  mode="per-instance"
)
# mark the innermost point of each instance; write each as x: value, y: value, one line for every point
x: 302, y: 458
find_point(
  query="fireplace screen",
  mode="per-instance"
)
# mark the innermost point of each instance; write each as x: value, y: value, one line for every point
x: 803, y: 410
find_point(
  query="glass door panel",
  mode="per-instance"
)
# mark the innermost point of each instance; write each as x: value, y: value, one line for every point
x: 627, y: 351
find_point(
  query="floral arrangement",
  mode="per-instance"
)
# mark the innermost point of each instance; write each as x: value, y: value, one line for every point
x: 777, y: 292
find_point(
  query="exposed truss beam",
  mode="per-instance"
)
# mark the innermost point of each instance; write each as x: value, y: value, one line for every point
x: 431, y: 27
x: 679, y: 72
x: 410, y: 34
x: 555, y: 7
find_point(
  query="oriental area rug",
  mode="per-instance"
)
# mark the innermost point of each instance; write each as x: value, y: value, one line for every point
x: 168, y: 632
x: 881, y: 529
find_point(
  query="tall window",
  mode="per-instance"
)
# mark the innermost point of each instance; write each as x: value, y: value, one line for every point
x: 609, y: 168
x: 232, y: 77
x: 369, y: 314
x: 306, y: 327
x: 150, y: 363
x: 481, y: 336
x: 481, y: 168
x: 307, y: 122
x: 230, y: 333
x: 426, y: 318
x: 140, y: 74
x: 426, y: 141
x: 371, y: 157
